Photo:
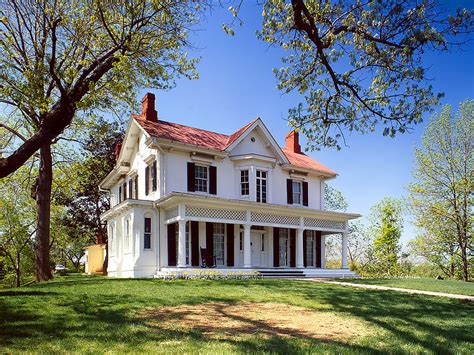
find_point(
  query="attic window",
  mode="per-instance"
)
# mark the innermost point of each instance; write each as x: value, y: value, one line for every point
x: 252, y: 139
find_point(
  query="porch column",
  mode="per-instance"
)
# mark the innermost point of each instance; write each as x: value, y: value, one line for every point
x: 247, y: 252
x: 299, y: 248
x: 181, y: 243
x: 344, y: 251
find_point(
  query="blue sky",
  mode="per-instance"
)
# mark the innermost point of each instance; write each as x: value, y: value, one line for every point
x: 236, y: 84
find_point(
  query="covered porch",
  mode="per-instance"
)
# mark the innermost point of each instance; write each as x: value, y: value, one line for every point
x: 242, y: 235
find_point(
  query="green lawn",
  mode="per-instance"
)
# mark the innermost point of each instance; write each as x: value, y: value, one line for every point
x: 95, y: 314
x: 446, y: 286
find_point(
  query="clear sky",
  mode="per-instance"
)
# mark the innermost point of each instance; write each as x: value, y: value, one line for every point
x: 236, y: 84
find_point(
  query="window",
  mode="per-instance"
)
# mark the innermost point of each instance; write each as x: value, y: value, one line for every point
x: 151, y: 178
x: 310, y: 247
x: 283, y: 246
x: 130, y: 188
x: 147, y: 234
x: 297, y: 193
x: 135, y: 187
x: 188, y: 244
x: 201, y: 178
x: 218, y: 237
x: 127, y: 234
x: 120, y: 194
x: 124, y: 191
x: 244, y: 183
x: 261, y: 186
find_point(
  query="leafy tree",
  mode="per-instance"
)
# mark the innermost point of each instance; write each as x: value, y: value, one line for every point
x: 334, y: 199
x: 83, y: 200
x: 61, y: 60
x: 359, y: 63
x: 442, y: 196
x: 16, y: 224
x: 386, y: 228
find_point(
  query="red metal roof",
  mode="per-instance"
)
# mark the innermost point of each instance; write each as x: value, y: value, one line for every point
x: 217, y: 141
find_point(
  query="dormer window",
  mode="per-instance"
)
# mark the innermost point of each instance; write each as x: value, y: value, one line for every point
x: 244, y: 183
x: 297, y: 192
x: 201, y: 179
x: 261, y: 186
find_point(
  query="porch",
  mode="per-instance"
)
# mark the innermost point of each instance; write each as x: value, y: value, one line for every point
x: 242, y: 235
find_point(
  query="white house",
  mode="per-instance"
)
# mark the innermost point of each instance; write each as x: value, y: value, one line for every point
x: 182, y: 197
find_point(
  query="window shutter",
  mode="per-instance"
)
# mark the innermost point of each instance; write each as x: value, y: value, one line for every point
x: 305, y: 247
x: 210, y: 243
x: 292, y: 247
x: 120, y: 194
x: 213, y: 180
x: 124, y: 191
x: 136, y: 186
x: 305, y: 193
x: 289, y: 191
x: 195, y: 243
x: 154, y: 175
x: 130, y: 188
x: 191, y: 186
x: 147, y: 180
x: 318, y: 249
x: 172, y: 244
x: 276, y: 246
x: 230, y: 244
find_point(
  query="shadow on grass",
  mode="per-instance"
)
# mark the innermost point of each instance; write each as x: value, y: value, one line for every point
x: 431, y: 323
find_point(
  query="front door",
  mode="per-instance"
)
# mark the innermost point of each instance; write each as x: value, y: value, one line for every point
x: 256, y: 247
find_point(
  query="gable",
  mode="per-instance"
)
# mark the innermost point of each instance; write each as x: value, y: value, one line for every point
x: 254, y: 143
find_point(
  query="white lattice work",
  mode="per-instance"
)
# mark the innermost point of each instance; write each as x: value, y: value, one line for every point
x: 172, y: 213
x: 321, y: 223
x: 215, y: 213
x: 274, y: 218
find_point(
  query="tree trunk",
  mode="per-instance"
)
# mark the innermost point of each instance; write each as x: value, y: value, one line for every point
x: 465, y: 263
x: 17, y: 269
x: 43, y: 214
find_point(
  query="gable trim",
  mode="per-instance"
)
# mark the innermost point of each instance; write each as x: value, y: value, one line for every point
x: 259, y: 123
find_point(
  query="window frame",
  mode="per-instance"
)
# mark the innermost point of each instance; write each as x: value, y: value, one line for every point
x: 299, y: 194
x: 197, y: 167
x: 261, y: 195
x: 147, y: 234
x: 245, y: 184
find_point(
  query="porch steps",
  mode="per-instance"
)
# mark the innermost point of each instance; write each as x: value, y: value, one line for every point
x: 275, y: 274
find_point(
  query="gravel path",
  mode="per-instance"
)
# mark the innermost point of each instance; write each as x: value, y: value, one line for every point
x: 385, y: 288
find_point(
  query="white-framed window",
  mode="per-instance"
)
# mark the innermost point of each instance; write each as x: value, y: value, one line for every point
x: 127, y: 234
x: 219, y: 243
x: 244, y: 183
x: 111, y: 239
x: 147, y: 233
x: 310, y: 247
x: 188, y: 243
x: 201, y: 178
x: 261, y: 186
x: 283, y: 246
x: 297, y: 193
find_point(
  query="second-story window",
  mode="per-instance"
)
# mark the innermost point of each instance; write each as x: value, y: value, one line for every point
x: 261, y: 186
x: 244, y: 183
x: 151, y: 179
x: 297, y: 192
x: 201, y: 178
x: 124, y: 190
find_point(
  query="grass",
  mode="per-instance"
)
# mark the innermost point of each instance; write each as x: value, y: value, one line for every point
x: 96, y: 314
x: 425, y: 284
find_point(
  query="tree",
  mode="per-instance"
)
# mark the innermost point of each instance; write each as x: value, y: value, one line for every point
x: 359, y: 63
x: 442, y: 196
x: 386, y: 228
x: 16, y: 223
x: 334, y: 199
x: 83, y: 200
x: 61, y: 60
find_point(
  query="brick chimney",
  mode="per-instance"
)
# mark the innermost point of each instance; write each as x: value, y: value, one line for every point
x: 292, y: 142
x: 148, y: 108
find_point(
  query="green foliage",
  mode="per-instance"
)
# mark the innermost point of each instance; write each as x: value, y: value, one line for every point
x: 386, y: 228
x: 334, y: 200
x: 441, y: 196
x: 358, y: 64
